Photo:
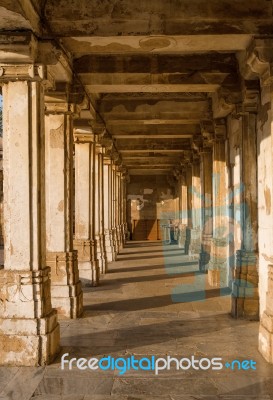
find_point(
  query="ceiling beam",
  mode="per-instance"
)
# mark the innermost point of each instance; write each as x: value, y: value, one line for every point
x: 136, y: 171
x: 158, y: 151
x: 161, y: 88
x: 133, y: 122
x: 149, y: 136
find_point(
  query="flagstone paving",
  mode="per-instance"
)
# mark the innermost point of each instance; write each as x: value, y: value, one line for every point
x: 152, y: 301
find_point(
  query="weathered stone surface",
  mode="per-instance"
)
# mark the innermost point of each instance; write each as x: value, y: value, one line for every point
x: 150, y: 88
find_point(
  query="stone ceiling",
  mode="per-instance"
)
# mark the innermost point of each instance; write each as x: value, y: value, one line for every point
x: 155, y: 71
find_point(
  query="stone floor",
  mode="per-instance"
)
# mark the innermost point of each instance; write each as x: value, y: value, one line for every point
x: 153, y: 301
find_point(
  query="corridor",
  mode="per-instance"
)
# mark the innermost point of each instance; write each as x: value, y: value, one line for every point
x: 149, y: 304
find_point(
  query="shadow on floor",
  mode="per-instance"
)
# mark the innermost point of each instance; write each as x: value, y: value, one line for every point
x: 144, y: 303
x: 122, y: 338
x: 150, y: 267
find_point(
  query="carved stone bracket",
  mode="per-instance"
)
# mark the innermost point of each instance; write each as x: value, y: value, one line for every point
x: 26, y: 72
x: 220, y: 129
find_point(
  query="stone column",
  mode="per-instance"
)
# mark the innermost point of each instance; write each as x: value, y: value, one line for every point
x: 62, y: 259
x: 189, y: 207
x: 183, y: 209
x: 114, y: 208
x: 265, y: 214
x: 124, y: 208
x: 107, y: 185
x: 29, y: 332
x: 195, y: 243
x: 206, y: 204
x: 266, y: 323
x: 119, y: 209
x: 84, y: 241
x: 99, y: 206
x: 217, y: 272
x: 245, y: 298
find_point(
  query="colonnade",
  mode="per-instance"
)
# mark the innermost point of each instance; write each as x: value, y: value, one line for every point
x: 63, y: 213
x: 65, y: 201
x: 225, y: 219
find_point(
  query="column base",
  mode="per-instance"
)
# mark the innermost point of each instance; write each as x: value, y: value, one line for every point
x: 182, y: 236
x: 109, y: 246
x: 120, y: 237
x: 116, y: 240
x: 205, y: 253
x: 89, y: 272
x: 33, y: 342
x: 101, y: 254
x: 124, y: 232
x: 29, y: 331
x: 188, y: 240
x: 217, y: 269
x: 113, y: 244
x: 66, y: 292
x: 266, y: 337
x: 245, y: 296
x: 204, y: 259
x: 194, y: 248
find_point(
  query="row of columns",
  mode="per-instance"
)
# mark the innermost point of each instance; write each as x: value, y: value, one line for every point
x: 209, y: 218
x: 50, y: 250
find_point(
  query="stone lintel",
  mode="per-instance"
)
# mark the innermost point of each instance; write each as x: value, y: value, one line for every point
x: 18, y: 47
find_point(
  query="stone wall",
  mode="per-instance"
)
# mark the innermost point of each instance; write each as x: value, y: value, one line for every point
x: 151, y: 198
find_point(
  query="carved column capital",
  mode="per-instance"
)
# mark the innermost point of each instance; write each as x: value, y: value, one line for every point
x: 257, y: 63
x: 220, y: 129
x: 26, y: 72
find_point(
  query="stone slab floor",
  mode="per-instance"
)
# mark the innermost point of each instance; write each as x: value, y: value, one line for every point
x: 152, y: 302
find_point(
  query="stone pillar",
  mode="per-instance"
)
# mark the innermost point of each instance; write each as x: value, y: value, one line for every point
x: 195, y: 243
x: 206, y: 201
x: 183, y: 209
x: 114, y: 208
x: 124, y: 208
x: 217, y: 272
x: 266, y: 324
x: 245, y: 298
x: 29, y: 332
x: 84, y: 241
x: 66, y: 289
x: 99, y: 206
x: 265, y: 213
x: 119, y: 209
x: 107, y: 185
x: 189, y: 207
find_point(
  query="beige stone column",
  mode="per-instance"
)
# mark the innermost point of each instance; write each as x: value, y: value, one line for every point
x: 217, y: 272
x: 183, y: 208
x: 119, y: 209
x: 114, y: 208
x: 265, y: 218
x: 245, y: 298
x: 195, y: 243
x: 124, y: 208
x: 107, y: 184
x: 189, y: 206
x: 206, y: 204
x: 29, y: 332
x: 62, y: 259
x: 84, y: 241
x: 266, y: 323
x: 99, y: 212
